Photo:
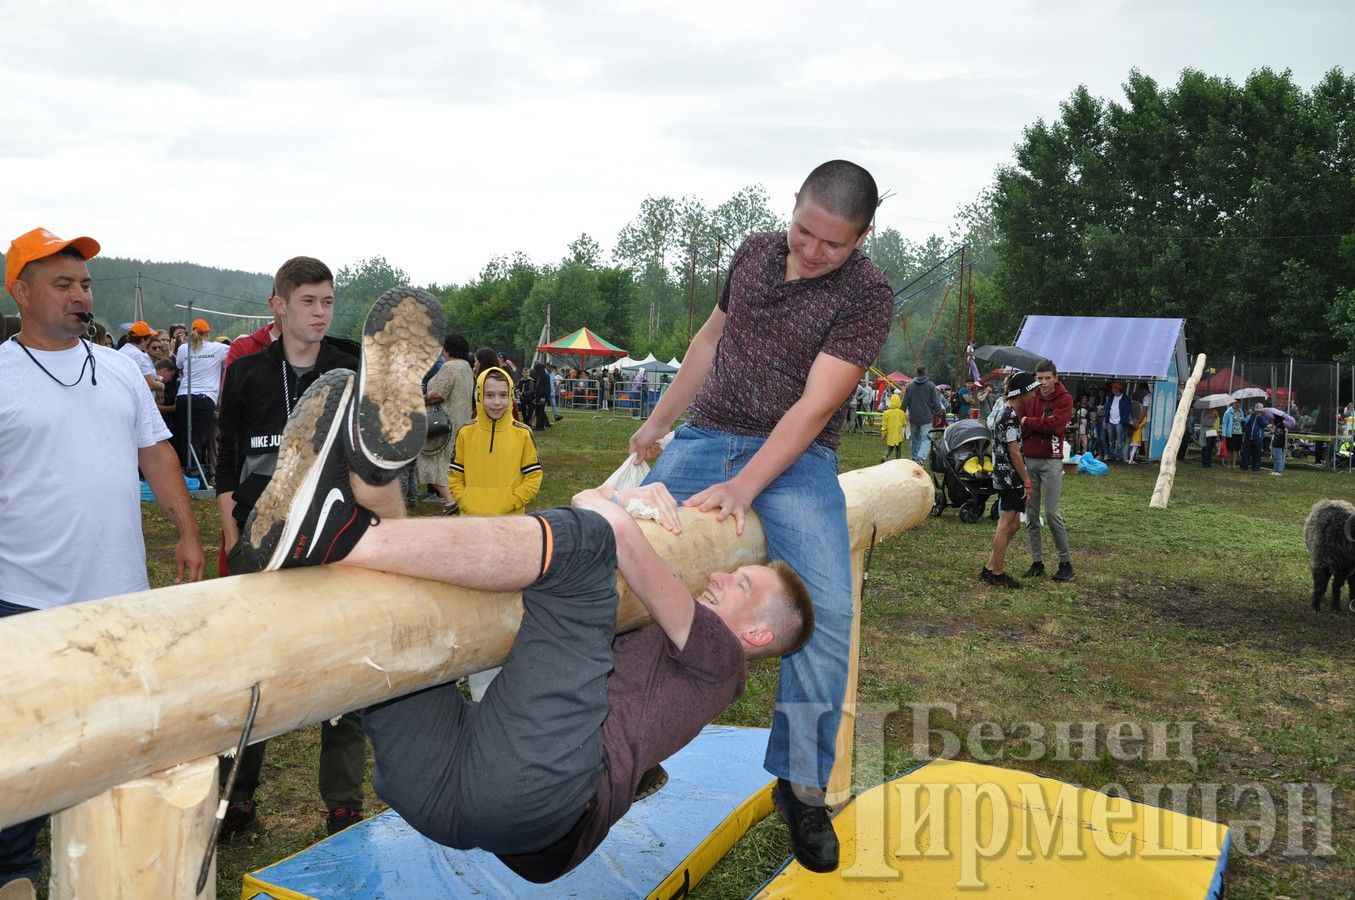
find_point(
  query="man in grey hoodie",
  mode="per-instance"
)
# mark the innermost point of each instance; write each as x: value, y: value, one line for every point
x: 920, y: 400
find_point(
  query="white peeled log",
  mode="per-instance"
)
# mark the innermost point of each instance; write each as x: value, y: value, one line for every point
x: 141, y: 839
x: 1166, y: 477
x: 120, y: 688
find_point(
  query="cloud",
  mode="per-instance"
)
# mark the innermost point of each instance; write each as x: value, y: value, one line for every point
x: 441, y: 134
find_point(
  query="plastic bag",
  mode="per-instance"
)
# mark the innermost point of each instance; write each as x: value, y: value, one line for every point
x: 1090, y: 465
x: 628, y: 475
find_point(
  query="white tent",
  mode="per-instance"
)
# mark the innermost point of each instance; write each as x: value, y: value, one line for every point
x: 674, y: 363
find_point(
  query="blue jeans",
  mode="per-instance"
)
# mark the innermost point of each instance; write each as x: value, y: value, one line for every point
x: 920, y: 441
x: 804, y: 516
x: 1278, y: 454
x: 1119, y: 442
x: 19, y: 843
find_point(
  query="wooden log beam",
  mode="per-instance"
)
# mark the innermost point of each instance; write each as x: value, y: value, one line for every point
x: 128, y: 686
x: 1166, y: 473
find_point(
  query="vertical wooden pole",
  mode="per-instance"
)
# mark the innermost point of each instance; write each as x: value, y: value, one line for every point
x: 840, y: 781
x: 1162, y: 491
x: 145, y: 838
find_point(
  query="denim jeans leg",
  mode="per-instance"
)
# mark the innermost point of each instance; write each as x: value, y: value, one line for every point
x: 19, y: 843
x: 804, y: 516
x: 1278, y: 453
x: 919, y: 441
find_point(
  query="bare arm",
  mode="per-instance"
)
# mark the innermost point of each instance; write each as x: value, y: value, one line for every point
x: 160, y: 464
x: 230, y: 532
x: 830, y: 382
x: 656, y: 584
x: 1019, y: 464
x: 695, y: 365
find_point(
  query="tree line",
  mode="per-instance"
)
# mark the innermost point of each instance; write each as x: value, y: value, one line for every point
x: 1231, y: 205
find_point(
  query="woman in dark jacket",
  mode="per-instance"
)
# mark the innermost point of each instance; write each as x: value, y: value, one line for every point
x: 536, y: 399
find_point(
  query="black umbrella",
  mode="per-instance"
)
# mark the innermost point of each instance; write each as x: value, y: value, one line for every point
x: 1007, y: 357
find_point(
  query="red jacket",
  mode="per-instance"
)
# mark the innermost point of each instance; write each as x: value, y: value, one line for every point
x: 1044, y: 422
x: 246, y: 345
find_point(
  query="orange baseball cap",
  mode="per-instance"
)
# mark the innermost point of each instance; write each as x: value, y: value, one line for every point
x: 140, y: 329
x: 201, y: 325
x: 40, y: 244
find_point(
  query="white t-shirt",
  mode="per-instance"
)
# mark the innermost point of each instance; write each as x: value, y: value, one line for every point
x: 207, y: 362
x: 70, y: 501
x: 140, y: 357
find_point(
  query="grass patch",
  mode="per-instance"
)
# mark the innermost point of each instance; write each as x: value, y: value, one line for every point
x: 1198, y: 614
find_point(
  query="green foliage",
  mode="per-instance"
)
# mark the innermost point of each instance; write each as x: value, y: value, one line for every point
x: 1225, y: 203
x: 680, y: 250
x: 356, y: 288
x: 487, y: 310
x: 167, y: 286
x: 578, y: 295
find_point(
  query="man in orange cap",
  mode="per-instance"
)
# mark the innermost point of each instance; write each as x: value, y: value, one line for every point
x: 76, y: 421
x: 138, y: 337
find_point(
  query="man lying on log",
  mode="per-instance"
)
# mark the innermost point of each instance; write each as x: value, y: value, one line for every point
x: 538, y: 771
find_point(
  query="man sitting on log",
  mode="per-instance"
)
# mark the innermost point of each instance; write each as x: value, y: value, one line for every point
x: 538, y: 771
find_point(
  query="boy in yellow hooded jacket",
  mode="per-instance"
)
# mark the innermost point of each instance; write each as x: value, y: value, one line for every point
x: 495, y: 471
x: 892, y: 424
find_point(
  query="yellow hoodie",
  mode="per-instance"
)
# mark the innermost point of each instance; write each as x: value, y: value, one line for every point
x: 495, y: 471
x: 892, y: 422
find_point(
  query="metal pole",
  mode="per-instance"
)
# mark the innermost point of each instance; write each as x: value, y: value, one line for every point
x: 1289, y: 388
x: 691, y: 286
x: 719, y: 267
x: 959, y: 319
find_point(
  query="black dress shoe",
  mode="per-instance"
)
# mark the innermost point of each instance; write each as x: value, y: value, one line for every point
x: 812, y: 838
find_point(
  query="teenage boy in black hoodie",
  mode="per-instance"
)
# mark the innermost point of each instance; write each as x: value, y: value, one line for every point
x: 259, y: 393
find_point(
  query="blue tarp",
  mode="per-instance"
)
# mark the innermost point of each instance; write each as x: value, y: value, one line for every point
x: 1108, y: 346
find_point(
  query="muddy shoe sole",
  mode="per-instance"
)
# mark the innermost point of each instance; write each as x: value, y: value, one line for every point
x: 308, y: 498
x: 400, y: 341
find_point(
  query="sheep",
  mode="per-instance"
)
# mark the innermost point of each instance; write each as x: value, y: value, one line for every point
x: 1329, y: 535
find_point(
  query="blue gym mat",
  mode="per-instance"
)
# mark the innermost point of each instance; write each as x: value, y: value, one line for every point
x: 717, y: 790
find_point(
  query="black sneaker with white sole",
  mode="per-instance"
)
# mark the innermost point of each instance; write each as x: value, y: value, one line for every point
x: 387, y: 425
x: 307, y: 515
x: 812, y: 838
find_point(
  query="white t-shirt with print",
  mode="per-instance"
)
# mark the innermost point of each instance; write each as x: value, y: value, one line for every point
x: 138, y: 356
x: 70, y: 500
x: 206, y: 375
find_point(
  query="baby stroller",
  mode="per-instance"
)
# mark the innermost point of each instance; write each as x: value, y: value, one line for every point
x: 962, y: 469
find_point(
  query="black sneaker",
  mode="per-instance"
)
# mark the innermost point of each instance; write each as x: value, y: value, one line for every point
x: 341, y: 817
x: 1065, y: 572
x: 387, y: 423
x: 812, y: 838
x: 1036, y: 570
x: 1002, y: 580
x: 986, y: 574
x: 308, y: 504
x: 650, y: 782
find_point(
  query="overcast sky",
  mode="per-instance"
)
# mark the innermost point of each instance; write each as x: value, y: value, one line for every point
x: 440, y: 134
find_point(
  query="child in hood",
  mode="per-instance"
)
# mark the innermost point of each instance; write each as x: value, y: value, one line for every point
x: 891, y: 427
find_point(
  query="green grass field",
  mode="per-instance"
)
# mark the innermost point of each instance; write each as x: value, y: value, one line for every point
x: 1198, y: 614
